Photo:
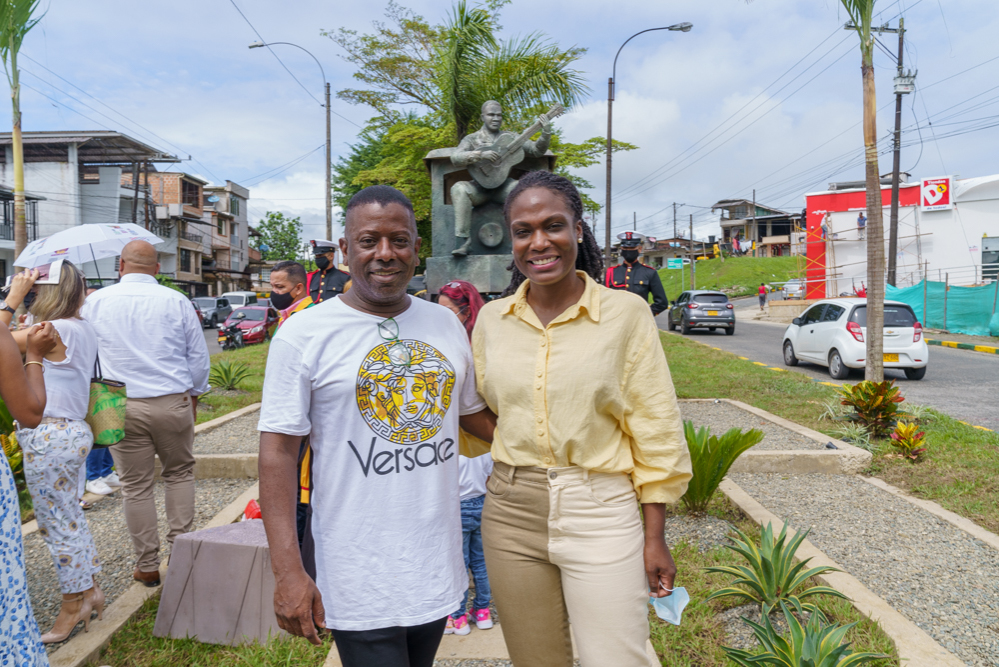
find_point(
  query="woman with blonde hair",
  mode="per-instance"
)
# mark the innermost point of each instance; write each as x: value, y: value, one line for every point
x: 56, y: 449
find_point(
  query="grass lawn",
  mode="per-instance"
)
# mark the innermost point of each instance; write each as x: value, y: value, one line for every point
x: 743, y: 274
x: 960, y: 471
x: 135, y: 646
x: 254, y: 356
x: 697, y: 641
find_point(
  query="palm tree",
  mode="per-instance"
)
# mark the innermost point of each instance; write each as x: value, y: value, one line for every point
x: 861, y: 13
x: 15, y: 23
x: 452, y: 68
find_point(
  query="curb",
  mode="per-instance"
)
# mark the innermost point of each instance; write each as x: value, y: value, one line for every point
x: 915, y: 647
x: 224, y: 419
x: 219, y: 466
x: 85, y: 647
x: 844, y: 460
x: 987, y: 349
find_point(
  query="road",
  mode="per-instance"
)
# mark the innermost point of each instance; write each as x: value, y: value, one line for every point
x: 960, y: 383
x: 212, y: 338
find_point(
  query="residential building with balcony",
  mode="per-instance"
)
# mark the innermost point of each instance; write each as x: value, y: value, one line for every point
x: 75, y: 178
x: 224, y: 211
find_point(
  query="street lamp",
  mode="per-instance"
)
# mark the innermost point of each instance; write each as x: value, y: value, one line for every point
x: 678, y: 27
x: 329, y: 176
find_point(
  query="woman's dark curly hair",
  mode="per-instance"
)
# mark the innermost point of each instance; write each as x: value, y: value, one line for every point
x: 588, y: 257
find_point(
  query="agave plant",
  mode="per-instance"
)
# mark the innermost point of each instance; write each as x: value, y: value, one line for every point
x: 908, y: 441
x: 228, y: 375
x: 875, y: 405
x: 816, y: 644
x: 771, y: 577
x: 711, y: 457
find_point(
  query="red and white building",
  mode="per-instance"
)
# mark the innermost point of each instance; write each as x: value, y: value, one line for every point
x: 941, y: 225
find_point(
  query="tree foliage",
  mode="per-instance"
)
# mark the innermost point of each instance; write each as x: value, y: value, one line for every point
x: 280, y: 237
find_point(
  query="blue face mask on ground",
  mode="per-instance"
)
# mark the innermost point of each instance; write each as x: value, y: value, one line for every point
x: 671, y: 608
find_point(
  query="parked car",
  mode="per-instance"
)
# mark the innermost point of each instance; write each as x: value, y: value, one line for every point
x: 793, y: 289
x: 831, y: 333
x: 701, y: 309
x: 238, y: 299
x: 264, y: 301
x: 258, y: 323
x: 417, y: 286
x: 214, y: 309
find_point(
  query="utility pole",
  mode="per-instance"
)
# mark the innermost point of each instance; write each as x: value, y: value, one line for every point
x: 634, y: 221
x: 145, y: 170
x: 752, y: 241
x: 135, y: 192
x: 329, y: 176
x: 903, y: 86
x: 674, y: 220
x: 693, y: 256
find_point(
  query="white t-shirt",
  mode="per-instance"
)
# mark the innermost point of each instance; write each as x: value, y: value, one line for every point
x: 386, y: 515
x: 472, y: 475
x: 67, y: 382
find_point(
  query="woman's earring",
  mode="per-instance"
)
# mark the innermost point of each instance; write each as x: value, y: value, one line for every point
x: 579, y: 240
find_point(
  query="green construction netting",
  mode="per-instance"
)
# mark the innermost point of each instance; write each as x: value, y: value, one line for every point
x: 969, y: 310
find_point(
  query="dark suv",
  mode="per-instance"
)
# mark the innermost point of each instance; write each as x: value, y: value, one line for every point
x: 702, y: 308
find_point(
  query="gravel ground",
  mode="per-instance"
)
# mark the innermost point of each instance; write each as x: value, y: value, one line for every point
x: 720, y: 417
x: 707, y: 532
x: 738, y: 633
x: 933, y: 573
x: 240, y: 436
x: 114, y: 546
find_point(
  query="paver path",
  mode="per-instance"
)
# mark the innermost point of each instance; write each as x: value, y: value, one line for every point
x: 935, y: 574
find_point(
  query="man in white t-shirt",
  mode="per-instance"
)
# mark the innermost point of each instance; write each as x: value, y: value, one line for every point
x: 379, y: 380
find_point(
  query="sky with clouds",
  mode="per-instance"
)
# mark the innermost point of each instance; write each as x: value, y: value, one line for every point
x: 763, y: 94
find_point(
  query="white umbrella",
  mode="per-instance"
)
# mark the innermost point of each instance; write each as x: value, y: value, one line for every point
x: 84, y: 243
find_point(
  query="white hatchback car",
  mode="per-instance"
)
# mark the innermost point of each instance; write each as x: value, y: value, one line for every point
x: 831, y: 333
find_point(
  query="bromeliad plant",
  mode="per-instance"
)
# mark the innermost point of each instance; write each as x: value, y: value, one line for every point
x: 874, y: 404
x: 228, y: 374
x: 816, y: 644
x: 908, y: 441
x: 770, y: 576
x: 710, y: 458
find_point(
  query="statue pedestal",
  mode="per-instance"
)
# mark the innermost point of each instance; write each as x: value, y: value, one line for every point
x: 489, y: 255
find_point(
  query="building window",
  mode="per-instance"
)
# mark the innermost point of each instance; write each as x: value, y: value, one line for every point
x: 185, y: 260
x: 221, y: 227
x: 197, y: 263
x: 190, y: 194
x: 234, y: 205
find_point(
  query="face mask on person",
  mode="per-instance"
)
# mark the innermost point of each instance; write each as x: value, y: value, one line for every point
x: 281, y: 301
x: 323, y: 262
x: 630, y: 256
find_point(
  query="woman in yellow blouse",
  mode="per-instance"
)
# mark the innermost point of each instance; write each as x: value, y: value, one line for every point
x: 588, y: 429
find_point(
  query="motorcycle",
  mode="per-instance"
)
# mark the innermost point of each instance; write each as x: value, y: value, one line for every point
x: 231, y: 337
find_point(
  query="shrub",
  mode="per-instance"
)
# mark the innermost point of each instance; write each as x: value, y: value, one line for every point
x: 832, y: 410
x: 817, y: 644
x: 228, y: 375
x: 711, y: 457
x: 908, y: 441
x: 919, y: 413
x: 875, y: 405
x: 15, y: 457
x: 855, y: 434
x: 771, y: 578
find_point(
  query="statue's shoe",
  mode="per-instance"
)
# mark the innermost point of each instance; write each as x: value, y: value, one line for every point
x: 462, y: 250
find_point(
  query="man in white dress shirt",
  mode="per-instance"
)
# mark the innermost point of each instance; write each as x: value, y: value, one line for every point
x: 150, y: 339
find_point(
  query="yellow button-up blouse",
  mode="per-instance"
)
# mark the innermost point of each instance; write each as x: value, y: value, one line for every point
x: 592, y: 389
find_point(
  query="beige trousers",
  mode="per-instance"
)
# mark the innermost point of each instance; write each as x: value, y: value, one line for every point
x: 561, y: 545
x: 163, y: 427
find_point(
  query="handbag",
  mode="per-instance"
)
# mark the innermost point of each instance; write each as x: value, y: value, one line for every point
x: 106, y: 413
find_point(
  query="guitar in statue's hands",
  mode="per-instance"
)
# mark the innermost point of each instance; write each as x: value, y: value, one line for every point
x: 510, y: 149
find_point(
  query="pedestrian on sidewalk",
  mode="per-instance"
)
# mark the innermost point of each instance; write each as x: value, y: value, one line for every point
x: 762, y: 292
x: 56, y: 450
x: 151, y: 340
x: 461, y: 298
x: 588, y: 428
x: 102, y: 480
x: 378, y: 380
x: 22, y: 389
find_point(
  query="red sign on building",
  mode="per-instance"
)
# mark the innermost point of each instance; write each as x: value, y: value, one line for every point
x: 935, y: 194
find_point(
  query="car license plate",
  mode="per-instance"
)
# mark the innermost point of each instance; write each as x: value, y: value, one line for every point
x: 713, y: 313
x: 890, y: 358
